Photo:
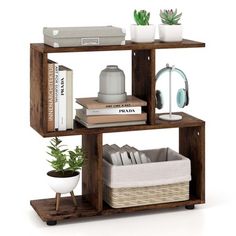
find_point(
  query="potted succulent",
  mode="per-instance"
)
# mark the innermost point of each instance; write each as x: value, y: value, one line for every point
x: 142, y: 32
x: 65, y: 163
x: 170, y: 30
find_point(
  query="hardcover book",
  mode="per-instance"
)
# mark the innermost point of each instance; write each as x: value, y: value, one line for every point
x: 51, y: 96
x: 114, y: 124
x: 112, y: 111
x: 92, y: 103
x: 110, y: 118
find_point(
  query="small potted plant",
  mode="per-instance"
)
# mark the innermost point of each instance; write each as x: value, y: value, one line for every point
x: 65, y: 163
x: 142, y: 32
x: 170, y: 30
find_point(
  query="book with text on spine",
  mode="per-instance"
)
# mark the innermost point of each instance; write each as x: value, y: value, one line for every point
x: 109, y: 118
x: 112, y: 111
x: 92, y: 103
x: 51, y: 96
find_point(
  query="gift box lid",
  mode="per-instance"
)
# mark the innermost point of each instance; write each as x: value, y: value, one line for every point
x: 77, y: 32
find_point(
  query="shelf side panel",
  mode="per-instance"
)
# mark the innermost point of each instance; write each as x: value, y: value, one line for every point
x: 37, y: 86
x: 192, y: 145
x: 92, y: 171
x: 143, y: 79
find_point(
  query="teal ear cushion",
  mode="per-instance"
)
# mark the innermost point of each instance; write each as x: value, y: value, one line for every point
x: 181, y: 98
x: 159, y: 99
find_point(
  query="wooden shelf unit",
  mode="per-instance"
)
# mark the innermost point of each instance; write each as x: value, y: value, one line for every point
x: 191, y: 131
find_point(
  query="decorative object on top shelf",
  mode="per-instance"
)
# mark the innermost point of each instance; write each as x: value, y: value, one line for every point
x: 66, y: 163
x: 112, y: 85
x: 170, y: 30
x: 182, y: 97
x: 142, y: 32
x: 83, y: 36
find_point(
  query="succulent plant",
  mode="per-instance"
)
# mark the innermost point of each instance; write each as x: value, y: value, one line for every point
x: 141, y: 17
x: 170, y: 17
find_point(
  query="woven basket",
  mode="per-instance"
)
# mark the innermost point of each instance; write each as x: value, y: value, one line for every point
x: 128, y: 197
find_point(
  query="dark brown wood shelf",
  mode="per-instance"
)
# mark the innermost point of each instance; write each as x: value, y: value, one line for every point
x: 191, y: 131
x: 187, y: 121
x: 45, y: 208
x: 128, y: 46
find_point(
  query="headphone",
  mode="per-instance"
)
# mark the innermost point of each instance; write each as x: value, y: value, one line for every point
x: 182, y: 97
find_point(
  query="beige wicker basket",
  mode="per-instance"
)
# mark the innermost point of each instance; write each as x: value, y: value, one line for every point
x: 165, y: 179
x: 128, y: 197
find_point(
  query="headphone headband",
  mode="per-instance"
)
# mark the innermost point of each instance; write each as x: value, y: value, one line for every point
x: 180, y: 72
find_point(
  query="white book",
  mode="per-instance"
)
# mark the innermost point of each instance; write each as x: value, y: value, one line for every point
x: 111, y: 155
x: 62, y: 99
x: 69, y: 99
x: 112, y: 111
x: 56, y: 76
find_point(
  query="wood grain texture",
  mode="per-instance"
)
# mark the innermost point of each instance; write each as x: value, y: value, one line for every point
x: 128, y: 46
x: 187, y: 121
x: 192, y: 145
x: 38, y: 90
x: 143, y: 80
x: 45, y: 208
x: 92, y: 171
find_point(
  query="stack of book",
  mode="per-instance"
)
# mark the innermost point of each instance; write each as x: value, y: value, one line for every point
x: 94, y: 114
x: 124, y: 155
x: 60, y: 97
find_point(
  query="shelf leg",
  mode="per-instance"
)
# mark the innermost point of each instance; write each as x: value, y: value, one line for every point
x: 73, y: 198
x: 51, y: 222
x: 58, y: 196
x: 190, y: 207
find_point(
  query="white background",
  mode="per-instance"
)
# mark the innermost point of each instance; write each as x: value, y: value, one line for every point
x: 211, y: 74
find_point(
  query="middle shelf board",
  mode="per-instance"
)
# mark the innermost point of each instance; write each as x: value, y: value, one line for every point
x: 187, y: 121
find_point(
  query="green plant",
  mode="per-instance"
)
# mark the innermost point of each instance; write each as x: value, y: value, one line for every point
x: 170, y: 17
x: 65, y: 159
x: 141, y: 17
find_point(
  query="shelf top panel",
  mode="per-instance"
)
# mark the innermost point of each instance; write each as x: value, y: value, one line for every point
x: 128, y: 46
x: 187, y: 121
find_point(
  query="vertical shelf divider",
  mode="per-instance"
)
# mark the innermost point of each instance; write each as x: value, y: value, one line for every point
x: 143, y: 80
x: 92, y: 187
x: 192, y: 145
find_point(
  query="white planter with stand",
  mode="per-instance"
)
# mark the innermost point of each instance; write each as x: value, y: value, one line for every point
x: 143, y: 33
x: 170, y: 33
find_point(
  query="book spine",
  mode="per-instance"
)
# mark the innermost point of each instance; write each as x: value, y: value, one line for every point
x: 69, y: 99
x: 112, y: 111
x: 56, y: 74
x: 62, y: 100
x: 110, y: 118
x: 50, y: 121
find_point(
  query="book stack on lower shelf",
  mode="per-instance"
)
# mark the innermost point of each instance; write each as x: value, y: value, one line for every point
x: 95, y: 114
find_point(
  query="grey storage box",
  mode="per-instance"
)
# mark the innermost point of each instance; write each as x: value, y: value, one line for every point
x: 83, y: 36
x: 165, y: 179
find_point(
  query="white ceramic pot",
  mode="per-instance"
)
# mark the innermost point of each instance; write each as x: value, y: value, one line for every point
x: 170, y: 33
x: 62, y: 184
x: 112, y: 85
x: 143, y: 33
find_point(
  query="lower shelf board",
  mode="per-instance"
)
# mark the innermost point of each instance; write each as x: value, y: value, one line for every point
x: 45, y: 208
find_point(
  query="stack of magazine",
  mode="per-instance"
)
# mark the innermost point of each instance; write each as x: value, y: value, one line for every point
x: 94, y: 114
x: 124, y: 155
